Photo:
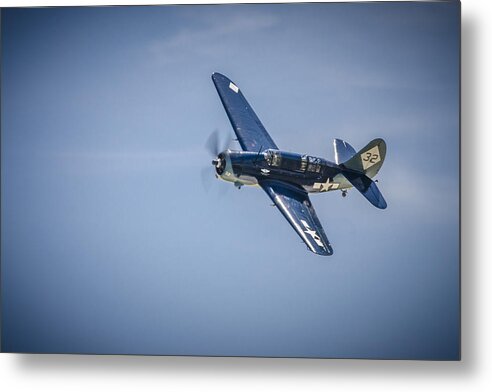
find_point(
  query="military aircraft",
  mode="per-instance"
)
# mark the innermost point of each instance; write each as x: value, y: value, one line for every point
x: 288, y: 177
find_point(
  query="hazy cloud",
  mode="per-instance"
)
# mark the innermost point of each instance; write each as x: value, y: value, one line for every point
x: 212, y: 33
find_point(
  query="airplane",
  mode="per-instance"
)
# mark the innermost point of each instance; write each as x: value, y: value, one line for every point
x: 289, y: 177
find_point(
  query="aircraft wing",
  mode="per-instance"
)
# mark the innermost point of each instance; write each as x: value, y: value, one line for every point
x: 294, y: 204
x: 250, y: 132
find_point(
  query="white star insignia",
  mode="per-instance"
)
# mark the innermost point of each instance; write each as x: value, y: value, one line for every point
x: 312, y: 233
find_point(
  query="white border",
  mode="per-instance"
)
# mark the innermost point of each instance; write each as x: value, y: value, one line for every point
x: 93, y: 373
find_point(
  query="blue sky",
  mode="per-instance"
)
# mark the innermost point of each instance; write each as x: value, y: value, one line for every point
x: 111, y: 244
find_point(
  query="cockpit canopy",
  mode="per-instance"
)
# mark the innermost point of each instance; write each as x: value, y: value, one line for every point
x: 292, y: 162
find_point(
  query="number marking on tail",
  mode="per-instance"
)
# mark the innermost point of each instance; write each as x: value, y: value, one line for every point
x: 370, y: 157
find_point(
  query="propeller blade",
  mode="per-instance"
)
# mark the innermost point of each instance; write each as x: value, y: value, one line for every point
x: 227, y: 141
x: 207, y: 177
x: 212, y: 143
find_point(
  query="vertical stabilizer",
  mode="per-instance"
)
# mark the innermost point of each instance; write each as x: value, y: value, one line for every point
x: 368, y: 160
x: 343, y: 151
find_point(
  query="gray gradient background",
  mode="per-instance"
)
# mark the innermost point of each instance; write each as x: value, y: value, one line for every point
x: 110, y: 243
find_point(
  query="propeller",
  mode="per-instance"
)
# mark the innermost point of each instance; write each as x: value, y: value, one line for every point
x: 207, y: 177
x: 213, y: 146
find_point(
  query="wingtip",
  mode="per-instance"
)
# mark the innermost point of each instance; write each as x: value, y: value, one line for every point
x: 382, y: 203
x: 328, y: 251
x: 217, y: 75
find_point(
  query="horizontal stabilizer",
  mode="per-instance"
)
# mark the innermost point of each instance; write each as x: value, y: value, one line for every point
x: 368, y: 189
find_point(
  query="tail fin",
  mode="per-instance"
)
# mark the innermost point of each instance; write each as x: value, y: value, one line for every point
x: 364, y: 165
x: 343, y: 151
x: 368, y: 160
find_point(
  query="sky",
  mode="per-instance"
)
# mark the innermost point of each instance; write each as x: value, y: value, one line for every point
x: 112, y: 243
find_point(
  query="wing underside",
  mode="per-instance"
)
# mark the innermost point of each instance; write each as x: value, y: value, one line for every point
x: 250, y: 132
x: 295, y: 206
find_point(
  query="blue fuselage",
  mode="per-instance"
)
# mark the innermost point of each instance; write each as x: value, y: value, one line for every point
x: 313, y: 174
